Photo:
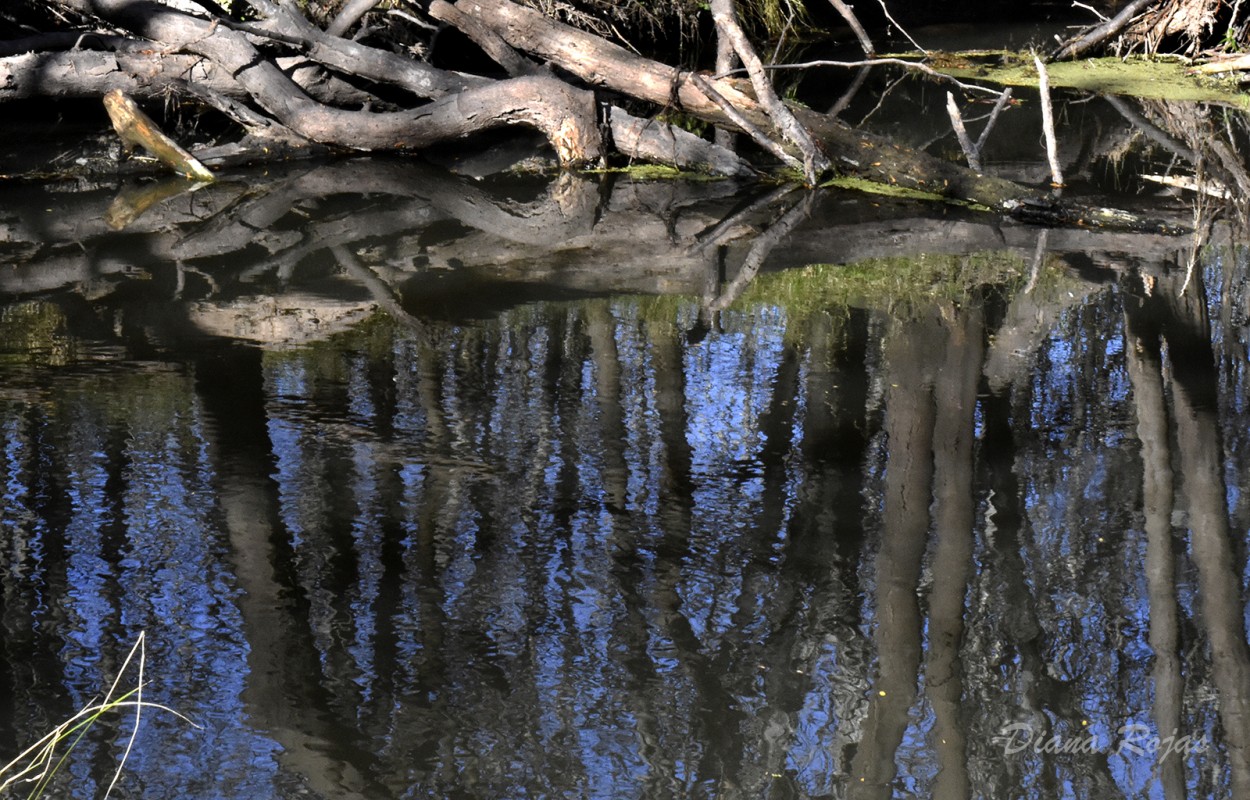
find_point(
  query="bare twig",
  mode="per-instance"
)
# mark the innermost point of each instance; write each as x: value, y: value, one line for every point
x: 961, y: 133
x: 1092, y: 10
x: 814, y: 161
x: 901, y: 29
x: 1003, y: 100
x: 848, y: 14
x: 1048, y: 122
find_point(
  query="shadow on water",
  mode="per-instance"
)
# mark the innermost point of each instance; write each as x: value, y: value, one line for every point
x: 425, y: 487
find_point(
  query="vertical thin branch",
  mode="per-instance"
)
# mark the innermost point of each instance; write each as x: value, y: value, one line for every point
x: 1048, y: 122
x: 139, y: 647
x: 814, y: 161
x: 848, y: 14
x: 1003, y: 100
x: 961, y: 133
x: 901, y: 29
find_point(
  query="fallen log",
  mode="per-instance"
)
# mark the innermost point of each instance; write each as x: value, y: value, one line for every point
x: 245, y: 54
x: 854, y: 153
x: 1100, y: 34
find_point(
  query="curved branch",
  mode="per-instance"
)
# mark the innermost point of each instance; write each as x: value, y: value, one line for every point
x: 349, y: 16
x: 563, y: 114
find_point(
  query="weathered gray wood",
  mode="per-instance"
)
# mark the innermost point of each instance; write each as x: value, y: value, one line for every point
x: 814, y: 161
x: 137, y: 129
x: 659, y: 142
x: 564, y: 114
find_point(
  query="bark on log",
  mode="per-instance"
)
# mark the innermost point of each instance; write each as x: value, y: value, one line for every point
x: 512, y: 62
x: 349, y: 16
x: 143, y: 73
x: 660, y: 142
x: 353, y: 58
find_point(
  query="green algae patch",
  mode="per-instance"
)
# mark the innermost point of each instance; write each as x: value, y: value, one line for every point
x: 656, y: 172
x: 898, y: 285
x: 884, y: 189
x: 1155, y: 79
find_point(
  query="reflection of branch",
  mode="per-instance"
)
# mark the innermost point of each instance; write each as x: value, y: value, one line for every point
x: 1003, y: 100
x: 723, y: 230
x: 378, y: 289
x: 759, y: 251
x: 1152, y: 131
x: 132, y: 202
x: 1039, y: 257
x: 849, y: 95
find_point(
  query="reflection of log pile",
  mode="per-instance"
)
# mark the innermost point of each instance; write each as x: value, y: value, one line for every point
x: 1210, y: 147
x: 449, y: 247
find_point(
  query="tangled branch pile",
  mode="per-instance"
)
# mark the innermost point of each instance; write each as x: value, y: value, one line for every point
x: 290, y: 84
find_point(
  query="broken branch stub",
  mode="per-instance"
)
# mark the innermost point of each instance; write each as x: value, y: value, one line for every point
x: 137, y: 129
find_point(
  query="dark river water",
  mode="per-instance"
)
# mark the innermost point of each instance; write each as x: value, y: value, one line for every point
x: 417, y: 487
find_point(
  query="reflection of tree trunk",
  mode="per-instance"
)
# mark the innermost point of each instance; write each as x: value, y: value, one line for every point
x: 1201, y: 459
x: 670, y: 406
x: 283, y: 668
x: 602, y: 330
x: 905, y: 523
x: 1145, y: 371
x: 956, y: 395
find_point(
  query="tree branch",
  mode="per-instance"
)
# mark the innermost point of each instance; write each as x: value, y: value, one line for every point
x: 814, y: 161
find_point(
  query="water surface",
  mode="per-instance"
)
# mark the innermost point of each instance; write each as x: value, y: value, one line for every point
x: 422, y: 488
